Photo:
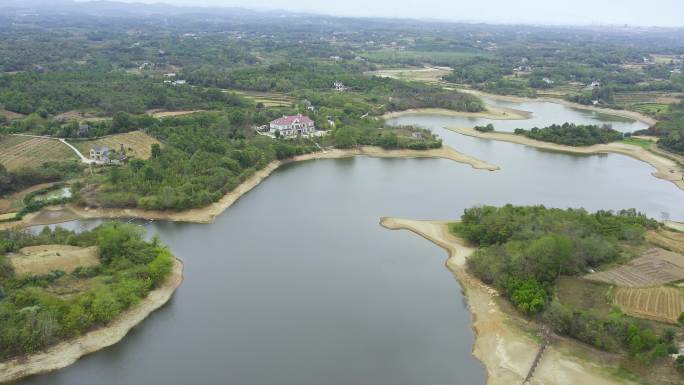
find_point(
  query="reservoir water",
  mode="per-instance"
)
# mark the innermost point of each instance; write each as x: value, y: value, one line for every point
x: 297, y: 284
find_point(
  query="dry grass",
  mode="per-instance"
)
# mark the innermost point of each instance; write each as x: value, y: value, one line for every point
x: 430, y: 75
x: 169, y: 114
x: 663, y: 304
x: 670, y: 240
x: 20, y: 151
x: 653, y: 268
x: 136, y: 143
x: 582, y: 294
x: 79, y: 116
x: 11, y: 115
x: 40, y: 260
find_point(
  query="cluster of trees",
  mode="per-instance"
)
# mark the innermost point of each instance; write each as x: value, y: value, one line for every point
x: 487, y: 128
x: 25, y: 177
x: 670, y: 127
x: 524, y: 250
x: 204, y: 157
x: 602, y: 95
x: 387, y: 138
x: 319, y: 77
x: 32, y: 318
x: 613, y: 333
x: 573, y: 134
x: 103, y: 90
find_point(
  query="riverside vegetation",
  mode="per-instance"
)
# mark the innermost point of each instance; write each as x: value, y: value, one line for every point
x: 572, y: 135
x: 524, y: 251
x: 34, y: 314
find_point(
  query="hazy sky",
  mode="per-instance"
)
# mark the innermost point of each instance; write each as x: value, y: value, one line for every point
x: 634, y: 12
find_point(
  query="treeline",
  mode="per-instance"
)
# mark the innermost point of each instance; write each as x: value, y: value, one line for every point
x: 319, y: 77
x: 25, y: 177
x: 32, y: 318
x: 524, y: 250
x: 204, y: 157
x: 103, y: 90
x: 387, y: 138
x: 573, y: 134
x: 670, y: 128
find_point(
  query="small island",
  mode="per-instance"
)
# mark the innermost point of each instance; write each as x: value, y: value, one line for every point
x: 571, y: 134
x: 67, y: 294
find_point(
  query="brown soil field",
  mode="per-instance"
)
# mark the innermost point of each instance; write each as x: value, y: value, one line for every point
x: 10, y: 114
x: 169, y: 114
x: 23, y: 151
x: 670, y: 240
x: 136, y: 143
x: 40, y: 260
x: 653, y: 268
x: 662, y: 304
x: 430, y: 75
x: 79, y: 116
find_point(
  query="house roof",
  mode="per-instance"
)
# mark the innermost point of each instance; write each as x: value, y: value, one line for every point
x: 286, y: 120
x: 100, y: 149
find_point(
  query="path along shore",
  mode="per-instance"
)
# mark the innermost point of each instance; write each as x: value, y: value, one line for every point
x: 506, y: 351
x: 207, y: 214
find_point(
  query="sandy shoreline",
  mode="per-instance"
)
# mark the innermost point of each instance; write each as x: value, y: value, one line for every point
x: 608, y: 111
x: 494, y: 113
x: 208, y: 214
x: 68, y: 352
x: 666, y: 168
x: 505, y: 351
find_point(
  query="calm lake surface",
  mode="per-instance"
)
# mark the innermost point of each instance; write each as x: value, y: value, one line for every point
x: 297, y: 284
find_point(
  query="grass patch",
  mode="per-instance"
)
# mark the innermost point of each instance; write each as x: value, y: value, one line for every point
x: 136, y: 144
x: 578, y: 293
x: 643, y: 143
x: 7, y: 217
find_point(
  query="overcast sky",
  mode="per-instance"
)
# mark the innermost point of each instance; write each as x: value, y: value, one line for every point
x: 668, y: 13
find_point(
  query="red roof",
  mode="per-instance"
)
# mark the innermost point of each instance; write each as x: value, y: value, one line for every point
x: 287, y: 120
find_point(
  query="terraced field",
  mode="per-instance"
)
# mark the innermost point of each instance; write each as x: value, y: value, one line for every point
x: 654, y: 268
x: 647, y: 101
x: 269, y: 99
x: 136, y: 143
x: 21, y: 151
x: 662, y: 304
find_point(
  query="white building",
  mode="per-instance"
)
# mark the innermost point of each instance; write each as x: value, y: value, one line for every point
x: 294, y: 125
x: 339, y: 86
x: 104, y: 155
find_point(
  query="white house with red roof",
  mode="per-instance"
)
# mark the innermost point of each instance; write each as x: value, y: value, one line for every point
x: 293, y: 125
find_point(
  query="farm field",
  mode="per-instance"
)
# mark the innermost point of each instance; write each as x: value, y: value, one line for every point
x: 431, y: 75
x: 269, y: 99
x: 582, y: 294
x: 662, y: 304
x: 562, y: 91
x: 136, y: 143
x: 653, y: 268
x: 647, y: 101
x: 40, y: 260
x: 670, y: 240
x: 21, y: 151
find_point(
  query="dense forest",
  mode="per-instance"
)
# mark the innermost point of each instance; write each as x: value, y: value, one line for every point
x: 572, y: 134
x: 524, y: 250
x: 33, y: 317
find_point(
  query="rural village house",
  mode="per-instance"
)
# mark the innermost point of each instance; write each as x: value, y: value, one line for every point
x: 104, y: 155
x: 294, y: 125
